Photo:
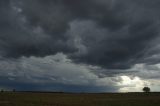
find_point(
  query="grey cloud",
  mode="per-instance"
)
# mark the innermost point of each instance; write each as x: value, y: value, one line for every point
x: 19, y: 37
x: 146, y: 72
x: 59, y: 73
x: 54, y: 71
x: 113, y: 34
x: 119, y: 49
x: 79, y: 45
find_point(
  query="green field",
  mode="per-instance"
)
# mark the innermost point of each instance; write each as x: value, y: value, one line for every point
x: 69, y: 99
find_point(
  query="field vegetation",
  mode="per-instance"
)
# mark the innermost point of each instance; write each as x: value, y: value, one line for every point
x: 78, y: 99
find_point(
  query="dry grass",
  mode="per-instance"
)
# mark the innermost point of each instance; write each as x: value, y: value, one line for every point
x: 64, y: 99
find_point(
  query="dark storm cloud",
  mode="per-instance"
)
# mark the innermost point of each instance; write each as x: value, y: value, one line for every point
x: 116, y: 35
x: 122, y: 46
x: 21, y: 37
x: 54, y: 87
x: 120, y: 49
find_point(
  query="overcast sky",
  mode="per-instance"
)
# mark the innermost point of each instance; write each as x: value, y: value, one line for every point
x: 80, y: 45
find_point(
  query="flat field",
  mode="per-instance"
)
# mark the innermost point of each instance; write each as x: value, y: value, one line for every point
x: 78, y: 99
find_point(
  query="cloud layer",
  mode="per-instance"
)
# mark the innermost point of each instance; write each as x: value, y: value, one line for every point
x: 91, y: 40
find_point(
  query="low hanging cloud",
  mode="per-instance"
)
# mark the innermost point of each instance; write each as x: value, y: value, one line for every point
x: 53, y: 71
x: 59, y: 73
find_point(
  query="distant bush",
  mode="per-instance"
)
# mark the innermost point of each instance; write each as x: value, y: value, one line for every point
x: 2, y: 90
x: 146, y: 89
x: 14, y: 90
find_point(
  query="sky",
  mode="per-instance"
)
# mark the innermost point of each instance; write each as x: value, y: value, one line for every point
x: 80, y: 45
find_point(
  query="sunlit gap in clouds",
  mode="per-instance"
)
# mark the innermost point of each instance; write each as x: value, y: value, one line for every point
x: 134, y: 84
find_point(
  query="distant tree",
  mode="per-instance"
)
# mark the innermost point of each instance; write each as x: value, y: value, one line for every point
x: 14, y: 90
x: 146, y: 89
x: 2, y: 90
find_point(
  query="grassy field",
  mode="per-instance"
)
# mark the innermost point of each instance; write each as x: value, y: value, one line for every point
x: 69, y: 99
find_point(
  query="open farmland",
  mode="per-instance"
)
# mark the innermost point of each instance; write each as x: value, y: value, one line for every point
x: 70, y: 99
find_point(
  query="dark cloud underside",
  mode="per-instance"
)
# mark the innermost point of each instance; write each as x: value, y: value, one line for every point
x: 125, y: 29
